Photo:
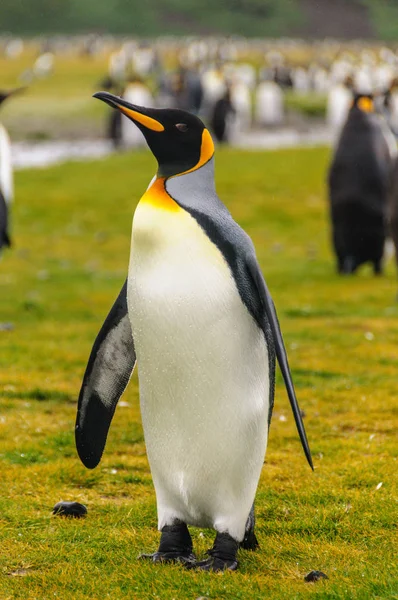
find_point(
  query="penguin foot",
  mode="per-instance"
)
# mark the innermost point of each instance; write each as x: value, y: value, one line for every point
x: 174, y: 557
x: 377, y: 268
x: 222, y: 557
x: 347, y: 265
x: 213, y: 564
x: 175, y: 545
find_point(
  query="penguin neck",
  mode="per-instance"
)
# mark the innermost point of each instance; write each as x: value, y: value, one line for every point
x: 191, y: 190
x: 198, y: 183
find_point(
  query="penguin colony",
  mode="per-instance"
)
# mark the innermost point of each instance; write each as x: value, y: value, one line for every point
x: 232, y: 96
x: 197, y: 317
x: 216, y: 87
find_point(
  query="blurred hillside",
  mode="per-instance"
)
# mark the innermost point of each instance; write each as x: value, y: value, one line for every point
x: 266, y: 18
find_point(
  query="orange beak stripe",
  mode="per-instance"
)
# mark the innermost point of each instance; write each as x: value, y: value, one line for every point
x: 147, y: 122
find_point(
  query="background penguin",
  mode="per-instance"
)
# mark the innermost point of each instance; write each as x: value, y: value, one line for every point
x: 338, y: 104
x: 359, y: 179
x: 135, y: 92
x: 393, y: 209
x: 6, y: 177
x: 187, y: 90
x: 222, y: 116
x: 214, y: 87
x: 301, y: 80
x: 114, y: 119
x: 196, y: 314
x: 391, y: 105
x: 269, y: 104
x: 242, y: 104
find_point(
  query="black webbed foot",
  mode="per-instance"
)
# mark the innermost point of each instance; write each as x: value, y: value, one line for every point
x: 175, y: 545
x: 222, y: 557
x: 349, y: 265
x: 157, y: 557
x: 213, y: 564
x: 377, y: 267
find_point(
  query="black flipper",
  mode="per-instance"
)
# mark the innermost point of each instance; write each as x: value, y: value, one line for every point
x: 108, y: 372
x: 280, y: 350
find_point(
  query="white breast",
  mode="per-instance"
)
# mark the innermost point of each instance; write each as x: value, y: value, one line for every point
x: 269, y: 103
x: 203, y: 372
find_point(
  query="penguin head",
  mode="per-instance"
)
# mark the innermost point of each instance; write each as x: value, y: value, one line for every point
x: 364, y: 102
x: 179, y: 140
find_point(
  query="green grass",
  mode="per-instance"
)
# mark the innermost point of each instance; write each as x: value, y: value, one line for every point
x: 310, y: 105
x: 59, y: 106
x: 72, y: 232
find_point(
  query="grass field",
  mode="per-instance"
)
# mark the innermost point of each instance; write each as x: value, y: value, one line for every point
x: 72, y: 232
x: 59, y: 106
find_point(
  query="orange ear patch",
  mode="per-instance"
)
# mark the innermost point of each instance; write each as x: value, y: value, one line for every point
x: 365, y: 104
x: 206, y: 152
x: 207, y: 148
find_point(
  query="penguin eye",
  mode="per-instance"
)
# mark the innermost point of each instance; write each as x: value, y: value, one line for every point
x: 182, y: 127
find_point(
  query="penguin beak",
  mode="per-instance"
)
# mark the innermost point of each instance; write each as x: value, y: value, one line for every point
x: 144, y: 117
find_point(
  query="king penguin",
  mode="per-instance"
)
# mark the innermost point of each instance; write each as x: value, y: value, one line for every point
x: 196, y: 315
x: 359, y: 181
